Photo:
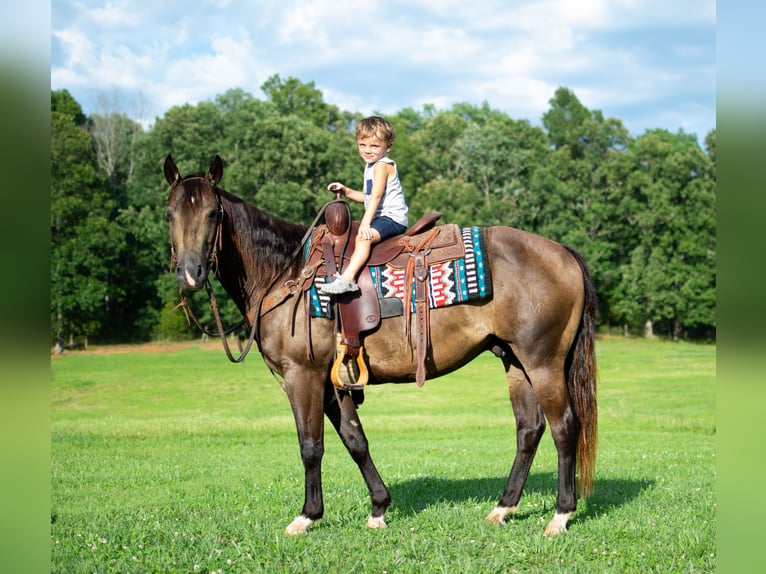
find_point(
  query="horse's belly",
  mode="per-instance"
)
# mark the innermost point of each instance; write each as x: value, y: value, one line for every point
x: 456, y: 337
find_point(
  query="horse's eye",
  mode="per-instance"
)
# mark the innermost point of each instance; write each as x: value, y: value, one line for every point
x: 213, y: 215
x: 168, y: 215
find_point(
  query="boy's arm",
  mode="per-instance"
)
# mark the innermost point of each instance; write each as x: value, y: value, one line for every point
x: 352, y: 194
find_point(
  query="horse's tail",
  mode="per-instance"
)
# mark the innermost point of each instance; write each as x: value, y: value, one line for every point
x: 581, y: 380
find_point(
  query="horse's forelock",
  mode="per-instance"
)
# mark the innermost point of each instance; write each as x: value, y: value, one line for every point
x: 193, y: 188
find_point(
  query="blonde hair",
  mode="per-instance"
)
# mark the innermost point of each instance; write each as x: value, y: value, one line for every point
x: 376, y: 126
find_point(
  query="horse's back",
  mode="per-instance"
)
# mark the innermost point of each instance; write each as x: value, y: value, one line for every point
x: 532, y: 261
x: 537, y: 286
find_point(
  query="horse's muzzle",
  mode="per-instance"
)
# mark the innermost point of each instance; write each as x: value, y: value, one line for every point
x: 191, y: 273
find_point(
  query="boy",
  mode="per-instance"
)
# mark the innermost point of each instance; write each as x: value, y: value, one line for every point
x: 385, y: 210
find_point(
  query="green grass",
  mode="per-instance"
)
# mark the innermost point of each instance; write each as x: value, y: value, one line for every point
x: 184, y: 462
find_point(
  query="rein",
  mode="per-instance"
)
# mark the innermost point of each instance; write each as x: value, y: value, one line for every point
x: 273, y: 298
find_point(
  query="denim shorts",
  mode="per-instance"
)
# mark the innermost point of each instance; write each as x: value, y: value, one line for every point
x: 387, y: 227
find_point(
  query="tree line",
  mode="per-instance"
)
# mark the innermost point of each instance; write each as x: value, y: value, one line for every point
x: 640, y: 209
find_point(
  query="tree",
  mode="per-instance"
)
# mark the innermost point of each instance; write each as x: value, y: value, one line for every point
x: 436, y: 139
x: 498, y: 155
x: 85, y: 241
x: 669, y: 282
x: 294, y: 98
x: 581, y: 131
x: 285, y: 163
x: 114, y: 136
x: 710, y: 147
x: 458, y: 201
x: 576, y: 189
x: 410, y: 156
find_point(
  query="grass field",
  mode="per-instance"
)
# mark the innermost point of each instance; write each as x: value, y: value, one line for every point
x: 183, y: 462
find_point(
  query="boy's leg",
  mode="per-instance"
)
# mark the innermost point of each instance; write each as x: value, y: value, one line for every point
x: 345, y: 282
x: 360, y: 256
x: 382, y: 228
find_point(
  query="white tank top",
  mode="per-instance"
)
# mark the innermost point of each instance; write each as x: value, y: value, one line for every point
x: 392, y: 204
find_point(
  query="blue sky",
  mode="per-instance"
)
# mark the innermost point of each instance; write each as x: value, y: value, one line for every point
x: 650, y: 63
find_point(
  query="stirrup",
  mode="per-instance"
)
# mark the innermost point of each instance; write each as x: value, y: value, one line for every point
x: 345, y: 379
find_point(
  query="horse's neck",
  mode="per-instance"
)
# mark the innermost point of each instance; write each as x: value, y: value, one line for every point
x: 256, y: 251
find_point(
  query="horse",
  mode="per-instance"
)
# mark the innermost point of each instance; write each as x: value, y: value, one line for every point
x: 540, y: 322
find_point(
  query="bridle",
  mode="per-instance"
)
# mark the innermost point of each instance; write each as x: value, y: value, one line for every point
x: 212, y: 265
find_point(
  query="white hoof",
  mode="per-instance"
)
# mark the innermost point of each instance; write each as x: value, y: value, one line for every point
x: 558, y: 524
x: 298, y: 526
x: 498, y: 514
x: 376, y: 522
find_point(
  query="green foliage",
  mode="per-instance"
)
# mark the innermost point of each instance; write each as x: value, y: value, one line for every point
x: 641, y: 210
x: 196, y: 469
x: 670, y: 278
x: 285, y: 164
x: 291, y: 97
x: 459, y: 201
x: 86, y: 242
x: 173, y: 325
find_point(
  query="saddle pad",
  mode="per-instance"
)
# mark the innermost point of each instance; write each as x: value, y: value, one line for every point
x: 449, y: 282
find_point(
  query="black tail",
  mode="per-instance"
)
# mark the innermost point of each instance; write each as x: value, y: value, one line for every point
x: 581, y: 381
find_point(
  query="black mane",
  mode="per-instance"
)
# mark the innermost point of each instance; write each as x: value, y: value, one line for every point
x: 263, y: 238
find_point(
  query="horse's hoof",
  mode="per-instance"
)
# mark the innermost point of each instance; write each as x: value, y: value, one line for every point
x: 558, y: 524
x: 498, y: 514
x: 298, y: 526
x: 376, y: 522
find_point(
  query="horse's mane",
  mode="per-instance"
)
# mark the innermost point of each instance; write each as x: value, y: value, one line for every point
x: 263, y: 238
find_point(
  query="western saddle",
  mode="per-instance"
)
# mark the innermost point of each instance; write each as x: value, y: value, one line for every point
x: 359, y: 312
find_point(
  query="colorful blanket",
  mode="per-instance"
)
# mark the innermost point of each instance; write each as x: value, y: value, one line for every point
x: 449, y: 282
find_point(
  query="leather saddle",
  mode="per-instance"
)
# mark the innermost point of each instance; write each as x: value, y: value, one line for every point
x: 332, y: 244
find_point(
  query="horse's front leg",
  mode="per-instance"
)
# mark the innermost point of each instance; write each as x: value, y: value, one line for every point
x: 307, y: 401
x: 343, y: 416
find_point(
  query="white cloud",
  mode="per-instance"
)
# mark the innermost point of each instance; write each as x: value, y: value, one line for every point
x: 385, y: 56
x: 78, y: 49
x: 201, y: 77
x: 91, y: 66
x: 443, y: 46
x: 112, y: 16
x: 322, y: 22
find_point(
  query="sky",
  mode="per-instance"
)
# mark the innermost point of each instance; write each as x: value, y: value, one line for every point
x: 649, y: 63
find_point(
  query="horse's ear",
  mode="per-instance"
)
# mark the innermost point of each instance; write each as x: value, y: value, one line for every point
x: 171, y: 171
x: 216, y: 170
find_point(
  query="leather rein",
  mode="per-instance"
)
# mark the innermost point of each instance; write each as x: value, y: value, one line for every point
x: 270, y: 300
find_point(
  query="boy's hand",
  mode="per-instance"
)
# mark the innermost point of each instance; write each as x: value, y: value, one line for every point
x: 365, y: 231
x: 337, y: 187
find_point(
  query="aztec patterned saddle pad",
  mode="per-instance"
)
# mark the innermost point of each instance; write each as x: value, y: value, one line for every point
x: 449, y: 282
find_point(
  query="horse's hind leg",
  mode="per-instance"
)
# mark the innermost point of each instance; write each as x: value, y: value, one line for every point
x: 343, y: 416
x: 530, y: 425
x: 551, y: 390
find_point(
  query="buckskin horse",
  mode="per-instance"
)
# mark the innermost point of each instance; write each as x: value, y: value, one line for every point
x: 539, y: 320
